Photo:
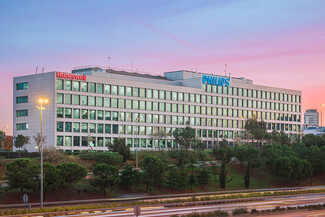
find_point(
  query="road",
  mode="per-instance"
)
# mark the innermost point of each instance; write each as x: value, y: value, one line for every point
x: 160, y: 211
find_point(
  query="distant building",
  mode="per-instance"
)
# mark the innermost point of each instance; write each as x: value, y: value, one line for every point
x: 311, y: 118
x: 317, y: 131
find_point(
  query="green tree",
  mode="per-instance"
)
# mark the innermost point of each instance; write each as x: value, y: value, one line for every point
x: 247, y: 154
x: 105, y: 177
x: 2, y: 136
x: 154, y: 170
x: 203, y: 177
x: 110, y: 158
x: 255, y: 130
x: 18, y: 174
x: 128, y: 177
x: 224, y: 154
x: 71, y: 173
x: 21, y: 141
x: 172, y: 179
x: 313, y: 140
x: 120, y: 147
x: 192, y: 180
x: 185, y: 137
x: 52, y: 177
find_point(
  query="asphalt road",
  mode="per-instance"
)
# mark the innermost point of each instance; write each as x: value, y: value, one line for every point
x: 160, y: 211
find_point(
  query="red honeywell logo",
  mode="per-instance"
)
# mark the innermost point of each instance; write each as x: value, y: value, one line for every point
x: 71, y: 76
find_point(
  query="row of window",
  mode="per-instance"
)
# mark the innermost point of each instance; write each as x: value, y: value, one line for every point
x: 171, y: 107
x: 171, y: 95
x: 22, y: 99
x: 22, y: 113
x: 170, y: 119
x: 77, y: 127
x: 84, y: 141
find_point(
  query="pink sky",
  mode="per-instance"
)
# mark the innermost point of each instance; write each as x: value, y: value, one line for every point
x: 274, y: 43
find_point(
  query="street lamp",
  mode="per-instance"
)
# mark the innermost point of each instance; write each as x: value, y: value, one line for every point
x: 136, y: 139
x: 42, y: 101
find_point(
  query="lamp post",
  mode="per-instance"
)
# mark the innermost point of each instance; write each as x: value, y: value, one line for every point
x: 41, y: 101
x: 321, y: 118
x: 136, y: 139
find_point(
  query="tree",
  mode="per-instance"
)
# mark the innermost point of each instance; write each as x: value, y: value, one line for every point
x: 247, y: 154
x: 18, y: 174
x: 154, y: 170
x: 2, y: 136
x: 185, y: 137
x: 110, y: 158
x: 177, y: 179
x: 71, y: 173
x: 313, y: 140
x: 21, y: 141
x: 38, y: 139
x: 8, y: 143
x: 52, y: 177
x: 255, y: 130
x: 224, y: 154
x: 105, y: 177
x: 120, y: 147
x: 192, y: 180
x: 128, y: 177
x: 203, y: 177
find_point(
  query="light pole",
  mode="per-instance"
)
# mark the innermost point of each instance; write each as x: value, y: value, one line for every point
x: 136, y: 139
x: 321, y: 118
x: 42, y: 101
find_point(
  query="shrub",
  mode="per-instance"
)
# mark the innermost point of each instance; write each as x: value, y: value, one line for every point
x: 239, y: 211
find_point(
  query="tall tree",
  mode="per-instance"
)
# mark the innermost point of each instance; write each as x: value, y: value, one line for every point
x: 255, y: 130
x: 247, y: 154
x: 120, y: 147
x: 185, y: 137
x: 128, y: 177
x: 21, y: 141
x: 224, y: 154
x: 154, y: 170
x: 18, y: 174
x: 192, y: 180
x: 71, y: 173
x: 105, y: 177
x: 203, y: 177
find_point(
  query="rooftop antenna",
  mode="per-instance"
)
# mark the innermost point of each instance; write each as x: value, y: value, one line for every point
x: 42, y: 70
x: 109, y: 62
x: 225, y: 69
x: 36, y: 69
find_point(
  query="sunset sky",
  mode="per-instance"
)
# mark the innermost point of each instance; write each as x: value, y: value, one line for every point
x: 273, y: 42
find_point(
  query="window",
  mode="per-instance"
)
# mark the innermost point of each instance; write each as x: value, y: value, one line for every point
x: 22, y: 86
x: 76, y: 113
x: 67, y: 85
x: 21, y: 99
x: 99, y: 115
x: 76, y: 85
x: 59, y: 84
x: 114, y: 90
x: 114, y: 103
x: 100, y: 88
x: 76, y: 141
x: 100, y: 141
x: 92, y: 114
x: 21, y: 113
x: 92, y: 87
x: 59, y: 98
x: 92, y: 100
x: 107, y: 102
x: 122, y: 91
x: 76, y: 127
x: 84, y: 86
x: 84, y: 128
x: 100, y: 128
x: 67, y: 99
x: 68, y: 126
x: 84, y: 100
x: 84, y: 114
x: 59, y: 126
x: 129, y: 91
x: 107, y: 128
x: 136, y: 92
x: 68, y: 141
x: 76, y: 100
x: 107, y: 115
x: 99, y: 101
x: 115, y: 129
x: 22, y: 126
x: 68, y: 112
x: 59, y: 141
x: 107, y: 89
x: 59, y: 112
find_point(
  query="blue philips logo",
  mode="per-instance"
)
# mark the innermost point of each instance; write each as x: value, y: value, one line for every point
x: 218, y: 81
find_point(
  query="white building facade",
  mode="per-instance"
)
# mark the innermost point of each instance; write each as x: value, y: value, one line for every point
x: 92, y: 107
x: 311, y: 118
